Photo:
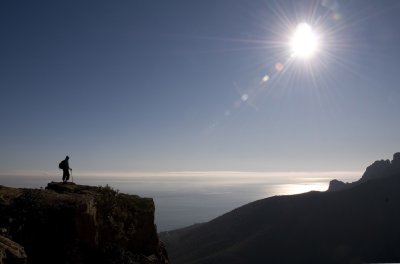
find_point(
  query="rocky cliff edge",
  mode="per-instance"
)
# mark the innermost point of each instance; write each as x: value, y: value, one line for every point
x: 69, y: 223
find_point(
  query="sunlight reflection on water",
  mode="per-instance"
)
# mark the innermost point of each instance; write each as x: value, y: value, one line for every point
x: 288, y: 189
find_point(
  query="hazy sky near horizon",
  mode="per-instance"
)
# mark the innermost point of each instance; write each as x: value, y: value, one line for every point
x: 197, y: 85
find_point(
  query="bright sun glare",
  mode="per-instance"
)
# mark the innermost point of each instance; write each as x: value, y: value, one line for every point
x: 304, y: 42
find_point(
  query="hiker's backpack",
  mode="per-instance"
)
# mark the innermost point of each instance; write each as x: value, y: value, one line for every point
x: 61, y: 165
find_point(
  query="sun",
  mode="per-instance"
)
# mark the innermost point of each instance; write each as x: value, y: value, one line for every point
x: 304, y: 42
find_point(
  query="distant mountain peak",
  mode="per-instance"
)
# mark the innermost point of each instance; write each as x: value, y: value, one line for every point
x: 378, y: 169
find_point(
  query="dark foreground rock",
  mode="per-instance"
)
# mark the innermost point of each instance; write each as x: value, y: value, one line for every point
x: 68, y: 223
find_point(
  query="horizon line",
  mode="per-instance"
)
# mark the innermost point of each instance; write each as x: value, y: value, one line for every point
x: 187, y: 173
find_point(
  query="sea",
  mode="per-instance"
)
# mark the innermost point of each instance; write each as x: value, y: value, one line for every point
x: 186, y: 198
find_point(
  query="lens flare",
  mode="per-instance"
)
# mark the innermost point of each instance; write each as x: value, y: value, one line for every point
x: 279, y: 66
x: 265, y: 79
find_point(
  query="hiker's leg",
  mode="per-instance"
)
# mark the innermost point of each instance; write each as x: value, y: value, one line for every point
x: 67, y: 176
x: 64, y: 178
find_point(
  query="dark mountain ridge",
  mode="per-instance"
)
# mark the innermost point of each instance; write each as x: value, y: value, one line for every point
x: 352, y: 225
x: 380, y: 168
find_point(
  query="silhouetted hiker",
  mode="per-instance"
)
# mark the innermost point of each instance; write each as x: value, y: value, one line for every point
x: 64, y: 165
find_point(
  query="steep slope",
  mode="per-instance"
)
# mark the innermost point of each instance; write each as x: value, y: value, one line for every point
x: 68, y: 223
x: 355, y: 225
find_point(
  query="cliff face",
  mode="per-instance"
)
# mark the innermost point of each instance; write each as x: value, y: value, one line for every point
x: 68, y: 223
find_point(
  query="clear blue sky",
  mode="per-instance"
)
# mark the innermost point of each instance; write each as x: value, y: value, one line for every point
x: 177, y: 85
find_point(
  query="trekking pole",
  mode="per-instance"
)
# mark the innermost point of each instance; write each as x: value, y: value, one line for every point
x: 72, y: 177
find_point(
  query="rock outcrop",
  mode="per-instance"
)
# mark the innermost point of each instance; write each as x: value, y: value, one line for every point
x: 396, y: 159
x: 378, y: 169
x: 335, y: 185
x: 68, y: 223
x: 11, y: 252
